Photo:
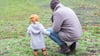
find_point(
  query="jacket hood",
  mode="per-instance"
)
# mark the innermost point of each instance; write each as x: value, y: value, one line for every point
x: 35, y: 28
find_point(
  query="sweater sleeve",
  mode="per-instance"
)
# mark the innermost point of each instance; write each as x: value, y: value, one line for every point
x: 58, y: 21
x: 28, y: 31
x: 45, y: 32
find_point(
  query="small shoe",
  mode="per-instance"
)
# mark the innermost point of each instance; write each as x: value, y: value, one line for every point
x: 35, y: 53
x: 64, y: 49
x: 44, y: 53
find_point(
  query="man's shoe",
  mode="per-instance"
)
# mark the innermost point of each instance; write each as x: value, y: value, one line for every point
x: 73, y: 46
x: 64, y: 49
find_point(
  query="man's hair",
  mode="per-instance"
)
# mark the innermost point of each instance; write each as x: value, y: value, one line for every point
x: 53, y: 4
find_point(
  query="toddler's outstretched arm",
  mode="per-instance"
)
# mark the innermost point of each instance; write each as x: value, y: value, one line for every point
x: 45, y: 32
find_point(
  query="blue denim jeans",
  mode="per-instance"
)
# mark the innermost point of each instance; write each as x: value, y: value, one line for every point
x: 54, y: 36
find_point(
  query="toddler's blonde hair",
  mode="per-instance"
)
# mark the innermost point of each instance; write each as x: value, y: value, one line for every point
x: 34, y: 16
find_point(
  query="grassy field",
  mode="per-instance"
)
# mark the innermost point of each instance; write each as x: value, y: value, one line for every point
x: 14, y: 18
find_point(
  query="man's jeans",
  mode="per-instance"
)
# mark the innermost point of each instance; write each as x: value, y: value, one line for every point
x: 54, y: 36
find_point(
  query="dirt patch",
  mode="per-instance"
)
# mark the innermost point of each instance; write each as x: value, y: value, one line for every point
x: 88, y: 18
x: 20, y: 17
x: 92, y: 25
x: 1, y: 53
x: 84, y: 29
x: 89, y: 54
x: 2, y: 17
x: 22, y: 35
x: 92, y: 54
x: 45, y: 6
x: 92, y: 51
x: 99, y: 51
x: 84, y: 7
x: 6, y: 38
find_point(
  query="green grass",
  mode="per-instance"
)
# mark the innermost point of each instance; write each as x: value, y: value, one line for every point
x: 14, y: 18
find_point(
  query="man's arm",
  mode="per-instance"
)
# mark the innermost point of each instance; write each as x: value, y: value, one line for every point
x: 58, y: 21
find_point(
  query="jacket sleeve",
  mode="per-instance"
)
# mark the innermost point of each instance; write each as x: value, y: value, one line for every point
x: 45, y: 32
x: 58, y: 21
x: 28, y: 32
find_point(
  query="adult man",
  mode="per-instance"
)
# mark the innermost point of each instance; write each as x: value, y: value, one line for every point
x: 66, y: 26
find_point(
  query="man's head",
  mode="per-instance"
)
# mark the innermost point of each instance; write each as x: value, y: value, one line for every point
x: 53, y: 4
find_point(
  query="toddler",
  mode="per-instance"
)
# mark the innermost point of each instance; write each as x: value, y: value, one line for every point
x: 36, y: 31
